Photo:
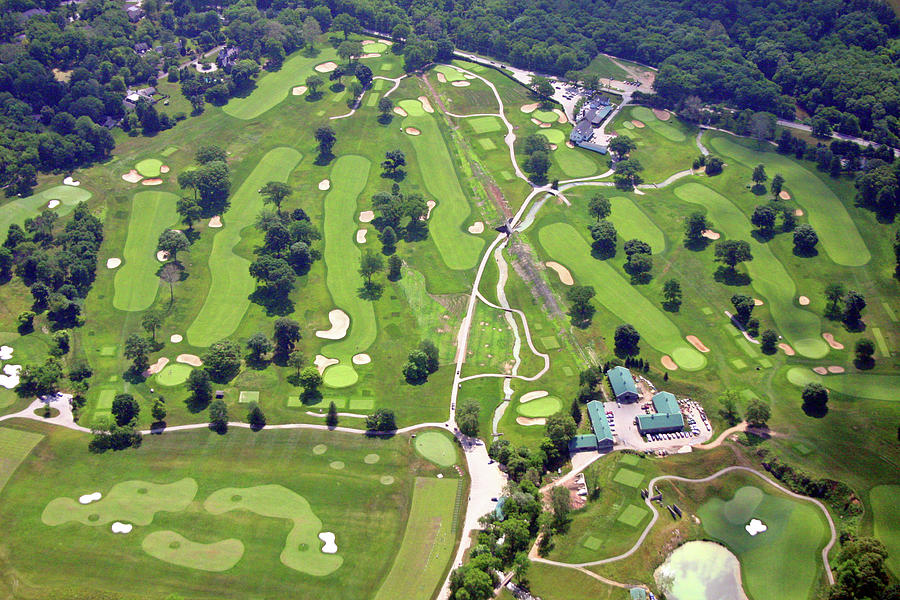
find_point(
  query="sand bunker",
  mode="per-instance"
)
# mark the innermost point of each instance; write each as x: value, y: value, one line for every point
x: 553, y: 146
x: 544, y: 125
x: 132, y: 176
x: 118, y: 527
x: 6, y: 352
x: 400, y: 111
x: 327, y: 67
x: 441, y: 77
x: 570, y: 145
x: 467, y: 76
x: 560, y: 116
x: 366, y: 216
x: 668, y: 363
x: 757, y: 302
x: 755, y: 526
x: 371, y: 55
x: 298, y: 90
x: 426, y: 105
x: 88, y: 498
x: 529, y: 396
x: 361, y: 359
x: 371, y: 459
x: 537, y: 121
x: 565, y: 277
x: 476, y: 227
x: 215, y: 222
x: 803, y: 300
x: 330, y: 547
x: 367, y: 42
x: 361, y: 236
x: 164, y: 169
x: 70, y: 181
x: 175, y: 338
x: 10, y: 377
x: 340, y: 323
x: 529, y: 108
x: 835, y: 369
x: 152, y: 181
x: 189, y: 359
x: 430, y: 204
x: 53, y: 204
x: 156, y: 367
x: 820, y: 370
x: 412, y: 131
x: 798, y: 213
x: 638, y: 124
x: 710, y: 234
x: 784, y: 195
x: 787, y: 349
x: 460, y: 84
x: 162, y: 256
x: 323, y: 362
x: 832, y: 342
x: 528, y: 422
x: 696, y: 343
x: 662, y: 115
x: 325, y: 184
x: 112, y: 263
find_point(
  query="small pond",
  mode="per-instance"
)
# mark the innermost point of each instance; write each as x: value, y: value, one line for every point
x: 701, y: 571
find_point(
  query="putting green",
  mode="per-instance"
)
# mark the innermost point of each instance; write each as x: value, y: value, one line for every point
x: 886, y: 511
x: 861, y: 385
x: 542, y: 407
x: 838, y: 234
x: 628, y: 477
x: 628, y: 125
x: 230, y: 283
x: 339, y: 376
x: 574, y: 162
x: 770, y: 279
x: 412, y: 107
x: 459, y: 250
x: 485, y: 124
x: 642, y: 113
x: 274, y: 86
x: 15, y: 445
x: 302, y: 546
x: 564, y: 244
x: 176, y: 549
x: 554, y: 136
x: 16, y: 211
x: 149, y: 167
x: 547, y: 116
x: 376, y: 48
x: 450, y: 73
x: 341, y: 256
x: 786, y: 556
x: 136, y: 283
x: 437, y: 448
x: 134, y: 502
x: 632, y: 515
x: 173, y: 374
x: 631, y: 222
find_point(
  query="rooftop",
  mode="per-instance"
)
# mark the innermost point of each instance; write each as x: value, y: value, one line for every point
x: 621, y: 381
x: 598, y: 421
x: 665, y: 402
x: 660, y: 421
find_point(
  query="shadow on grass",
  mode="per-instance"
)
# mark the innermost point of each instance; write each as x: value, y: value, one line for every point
x: 728, y: 276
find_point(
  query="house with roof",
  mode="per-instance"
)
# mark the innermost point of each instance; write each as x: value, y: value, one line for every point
x: 666, y: 418
x: 623, y: 385
x: 602, y: 439
x: 135, y: 13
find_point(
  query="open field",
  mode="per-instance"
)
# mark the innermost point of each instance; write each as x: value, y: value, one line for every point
x: 15, y: 445
x: 876, y: 387
x: 16, y: 211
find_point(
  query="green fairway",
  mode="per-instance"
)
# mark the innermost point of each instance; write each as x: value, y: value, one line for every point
x: 136, y: 281
x: 459, y: 250
x: 15, y: 445
x: 632, y: 516
x: 770, y: 279
x: 16, y: 211
x: 449, y: 72
x: 301, y: 548
x: 437, y: 448
x: 427, y: 545
x: 169, y: 151
x: 149, y: 167
x: 173, y: 374
x: 230, y: 283
x: 670, y: 132
x: 341, y: 256
x: 542, y: 407
x: 628, y: 477
x: 837, y: 232
x: 565, y: 245
x: 340, y: 376
x: 174, y: 548
x: 886, y: 511
x: 786, y: 556
x: 485, y: 124
x: 632, y: 223
x: 574, y: 162
x: 861, y: 385
x: 273, y: 87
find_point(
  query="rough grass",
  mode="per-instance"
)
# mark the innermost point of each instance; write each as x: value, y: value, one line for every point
x: 16, y: 211
x: 436, y: 447
x: 670, y: 132
x: 174, y: 548
x: 869, y: 385
x: 15, y: 445
x: 886, y: 512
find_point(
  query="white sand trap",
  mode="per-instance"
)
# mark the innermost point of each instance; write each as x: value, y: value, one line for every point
x: 560, y: 116
x: 570, y: 145
x: 366, y: 216
x: 88, y: 498
x: 118, y: 527
x: 164, y: 169
x: 330, y: 547
x: 386, y: 479
x: 441, y: 77
x: 784, y: 195
x: 803, y: 301
x: 476, y: 227
x: 325, y: 184
x: 323, y: 362
x: 340, y: 323
x: 10, y: 377
x: 460, y: 84
x: 6, y: 352
x: 112, y: 263
x: 153, y: 181
x: 787, y: 349
x: 565, y: 276
x: 835, y: 369
x: 70, y: 181
x: 371, y: 55
x: 440, y: 475
x: 529, y: 108
x: 132, y: 176
x: 215, y: 222
x: 53, y: 204
x: 757, y: 302
x: 668, y: 363
x: 412, y: 131
x: 162, y: 256
x: 798, y: 213
x: 367, y: 42
x: 430, y: 204
x: 638, y: 124
x: 820, y: 370
x: 711, y: 235
x: 361, y: 359
x: 529, y: 396
x: 400, y: 111
x: 528, y: 422
x: 755, y: 526
x: 553, y: 146
x: 426, y: 105
x: 832, y: 342
x: 536, y: 121
x: 361, y: 236
x: 189, y: 359
x: 544, y: 125
x: 175, y: 338
x: 157, y: 366
x: 298, y: 90
x: 326, y: 67
x: 696, y: 343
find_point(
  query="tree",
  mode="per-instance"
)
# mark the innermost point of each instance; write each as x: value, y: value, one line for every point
x: 363, y: 74
x: 199, y: 383
x: 314, y: 82
x: 729, y: 412
x: 604, y: 235
x: 310, y: 380
x: 310, y: 31
x: 394, y: 266
x: 764, y: 218
x: 743, y: 307
x: 223, y: 360
x: 733, y: 252
x: 757, y: 413
x: 415, y: 370
x: 575, y: 411
x: 621, y: 145
x: 432, y: 356
x: 25, y: 321
x: 172, y: 241
x: 158, y: 410
x: 821, y: 128
x: 136, y: 350
x: 255, y: 417
x: 768, y: 341
x: 331, y: 419
x: 541, y: 86
x: 326, y: 139
x: 385, y: 106
x: 537, y: 164
x: 287, y: 334
x: 345, y: 23
x: 171, y: 273
x: 275, y: 192
x: 560, y: 505
x: 381, y: 420
x: 370, y: 264
x: 672, y: 295
x: 599, y: 207
x: 36, y: 381
x: 189, y: 211
x: 393, y: 163
x: 151, y: 322
x: 627, y: 174
x: 560, y: 429
x: 694, y: 226
x: 210, y: 153
x: 865, y: 352
x: 125, y: 409
x: 777, y: 184
x: 714, y: 165
x: 834, y: 293
x: 815, y: 395
x: 639, y: 266
x: 759, y: 175
x: 582, y: 310
x: 218, y: 416
x: 347, y: 50
x: 213, y: 184
x: 467, y: 417
x: 854, y: 303
x: 296, y: 361
x: 805, y: 240
x: 259, y: 345
x: 627, y: 339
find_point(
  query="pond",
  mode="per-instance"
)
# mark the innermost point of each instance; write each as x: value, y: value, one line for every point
x: 701, y: 571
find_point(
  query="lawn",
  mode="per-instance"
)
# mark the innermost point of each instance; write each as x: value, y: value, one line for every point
x: 663, y: 147
x: 230, y: 281
x: 633, y: 223
x: 542, y: 407
x: 886, y: 512
x: 437, y: 447
x: 15, y: 445
x: 603, y: 66
x: 16, y: 211
x: 862, y: 385
x: 136, y: 280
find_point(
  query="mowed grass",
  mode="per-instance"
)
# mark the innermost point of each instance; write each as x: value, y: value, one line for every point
x: 172, y: 547
x: 436, y: 447
x: 427, y: 545
x: 564, y: 244
x: 769, y: 277
x: 542, y: 407
x: 868, y: 385
x: 886, y: 512
x: 632, y: 223
x: 16, y: 211
x: 450, y: 73
x: 670, y: 132
x: 230, y: 282
x: 838, y: 234
x: 149, y: 167
x: 136, y: 281
x: 173, y: 374
x: 272, y: 88
x: 15, y: 445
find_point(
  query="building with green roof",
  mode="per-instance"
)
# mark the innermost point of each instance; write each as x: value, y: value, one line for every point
x: 601, y: 439
x: 623, y: 386
x: 660, y: 423
x: 665, y: 402
x: 638, y: 593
